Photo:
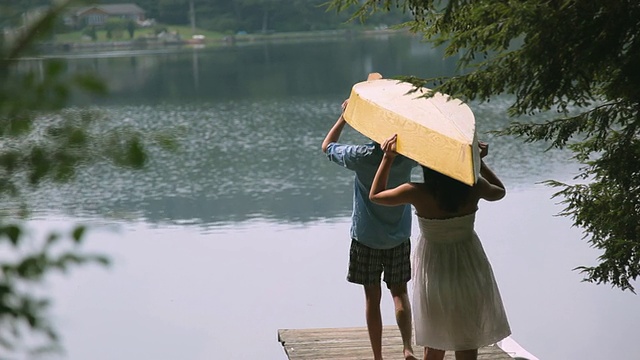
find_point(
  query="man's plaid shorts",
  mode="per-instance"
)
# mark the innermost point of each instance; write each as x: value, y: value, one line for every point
x: 366, y: 264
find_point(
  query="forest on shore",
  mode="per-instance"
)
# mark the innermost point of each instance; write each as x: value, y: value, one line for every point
x: 230, y: 16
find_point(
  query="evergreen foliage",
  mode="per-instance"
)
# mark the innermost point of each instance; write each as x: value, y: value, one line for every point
x: 578, y: 60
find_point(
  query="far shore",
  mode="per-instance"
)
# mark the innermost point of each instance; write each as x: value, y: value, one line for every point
x: 153, y: 43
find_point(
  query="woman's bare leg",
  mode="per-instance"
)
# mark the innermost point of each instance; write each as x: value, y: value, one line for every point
x: 433, y: 354
x: 467, y: 354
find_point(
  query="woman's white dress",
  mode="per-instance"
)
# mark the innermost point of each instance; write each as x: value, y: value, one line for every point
x: 456, y: 301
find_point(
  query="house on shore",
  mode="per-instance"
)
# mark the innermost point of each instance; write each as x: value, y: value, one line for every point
x: 97, y: 15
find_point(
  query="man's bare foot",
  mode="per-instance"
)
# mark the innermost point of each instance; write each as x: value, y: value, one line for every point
x: 408, y: 355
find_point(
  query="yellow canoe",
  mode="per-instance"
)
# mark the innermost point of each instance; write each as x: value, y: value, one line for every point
x: 438, y: 132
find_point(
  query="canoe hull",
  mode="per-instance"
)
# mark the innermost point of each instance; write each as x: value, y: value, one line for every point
x: 438, y: 132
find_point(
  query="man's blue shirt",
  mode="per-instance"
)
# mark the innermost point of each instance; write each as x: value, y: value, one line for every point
x: 376, y: 226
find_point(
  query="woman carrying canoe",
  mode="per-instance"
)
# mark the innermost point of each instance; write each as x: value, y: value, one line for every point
x: 456, y: 301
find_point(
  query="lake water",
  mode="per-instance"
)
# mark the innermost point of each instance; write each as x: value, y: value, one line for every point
x: 244, y: 230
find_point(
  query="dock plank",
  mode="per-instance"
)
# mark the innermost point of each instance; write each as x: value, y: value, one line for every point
x: 353, y: 344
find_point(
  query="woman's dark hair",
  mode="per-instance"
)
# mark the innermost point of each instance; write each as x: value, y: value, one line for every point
x: 450, y: 194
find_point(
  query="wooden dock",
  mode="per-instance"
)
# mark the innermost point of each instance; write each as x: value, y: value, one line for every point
x: 353, y: 344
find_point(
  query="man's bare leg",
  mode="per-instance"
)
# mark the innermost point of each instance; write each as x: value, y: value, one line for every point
x: 403, y: 318
x: 373, y: 294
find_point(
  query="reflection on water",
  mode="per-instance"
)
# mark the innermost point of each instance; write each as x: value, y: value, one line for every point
x: 252, y: 159
x: 250, y: 121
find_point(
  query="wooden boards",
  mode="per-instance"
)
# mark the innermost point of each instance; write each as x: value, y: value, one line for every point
x: 354, y: 344
x: 438, y: 132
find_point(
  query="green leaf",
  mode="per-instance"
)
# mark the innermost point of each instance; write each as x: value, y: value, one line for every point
x: 78, y: 233
x: 91, y: 83
x: 52, y: 238
x: 136, y: 155
x: 12, y: 232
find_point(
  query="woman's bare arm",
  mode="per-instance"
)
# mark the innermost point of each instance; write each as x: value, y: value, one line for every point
x: 379, y: 193
x: 491, y: 188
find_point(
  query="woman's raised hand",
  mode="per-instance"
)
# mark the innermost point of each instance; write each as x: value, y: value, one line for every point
x: 389, y: 146
x: 484, y: 148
